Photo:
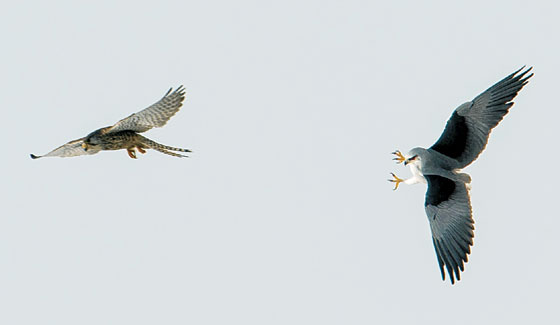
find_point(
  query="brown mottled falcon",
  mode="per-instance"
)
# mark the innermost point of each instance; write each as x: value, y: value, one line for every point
x: 124, y: 134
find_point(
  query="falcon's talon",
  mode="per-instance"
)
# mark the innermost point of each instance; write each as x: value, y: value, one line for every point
x: 399, y: 156
x: 131, y: 153
x: 142, y: 151
x: 395, y: 180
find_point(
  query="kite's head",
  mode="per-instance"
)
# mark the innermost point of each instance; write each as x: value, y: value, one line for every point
x: 411, y: 159
x: 414, y: 156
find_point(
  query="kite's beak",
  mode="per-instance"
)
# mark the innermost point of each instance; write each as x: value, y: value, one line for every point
x: 409, y: 160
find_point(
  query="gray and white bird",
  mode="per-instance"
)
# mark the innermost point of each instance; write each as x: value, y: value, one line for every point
x: 447, y: 202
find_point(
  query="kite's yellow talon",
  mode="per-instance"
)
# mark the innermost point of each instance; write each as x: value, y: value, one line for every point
x: 399, y: 156
x: 395, y: 180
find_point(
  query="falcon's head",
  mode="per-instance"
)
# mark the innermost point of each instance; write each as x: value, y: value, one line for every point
x: 92, y: 140
x: 85, y: 145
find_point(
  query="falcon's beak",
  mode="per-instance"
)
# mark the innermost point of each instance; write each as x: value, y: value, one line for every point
x: 85, y: 146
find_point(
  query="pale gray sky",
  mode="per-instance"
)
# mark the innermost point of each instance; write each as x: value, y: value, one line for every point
x: 283, y: 214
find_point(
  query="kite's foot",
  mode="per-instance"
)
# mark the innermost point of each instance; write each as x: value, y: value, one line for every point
x: 399, y: 156
x: 395, y: 180
x: 131, y: 153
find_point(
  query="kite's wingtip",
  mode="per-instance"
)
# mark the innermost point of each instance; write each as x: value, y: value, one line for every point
x: 33, y: 156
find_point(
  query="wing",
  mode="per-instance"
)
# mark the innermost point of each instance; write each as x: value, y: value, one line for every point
x: 154, y: 116
x: 70, y: 149
x: 467, y: 131
x: 449, y: 211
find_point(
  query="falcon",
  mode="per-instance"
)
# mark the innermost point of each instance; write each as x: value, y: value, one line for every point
x: 125, y: 133
x: 447, y: 203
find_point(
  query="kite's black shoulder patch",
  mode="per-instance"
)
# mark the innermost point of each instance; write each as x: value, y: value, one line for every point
x: 439, y: 189
x: 454, y: 138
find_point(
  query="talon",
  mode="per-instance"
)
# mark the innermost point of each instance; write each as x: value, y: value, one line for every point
x: 141, y: 150
x: 131, y: 153
x: 399, y: 156
x: 396, y: 180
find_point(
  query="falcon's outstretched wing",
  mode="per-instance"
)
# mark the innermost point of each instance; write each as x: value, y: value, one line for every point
x: 154, y: 116
x: 70, y: 149
x: 467, y: 131
x: 449, y: 211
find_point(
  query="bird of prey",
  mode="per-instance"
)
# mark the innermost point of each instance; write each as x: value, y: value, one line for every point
x: 447, y: 201
x: 125, y: 133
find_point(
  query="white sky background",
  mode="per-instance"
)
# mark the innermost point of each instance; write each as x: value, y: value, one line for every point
x: 283, y: 214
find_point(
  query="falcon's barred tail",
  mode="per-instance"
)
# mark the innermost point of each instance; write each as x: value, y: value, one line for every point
x: 147, y: 143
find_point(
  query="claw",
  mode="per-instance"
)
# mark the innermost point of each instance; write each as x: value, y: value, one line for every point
x: 399, y: 156
x: 141, y: 150
x: 131, y: 153
x: 396, y: 180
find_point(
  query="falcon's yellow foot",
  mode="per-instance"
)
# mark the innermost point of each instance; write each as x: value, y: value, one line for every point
x: 142, y: 151
x: 131, y: 153
x: 395, y: 180
x: 399, y: 156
